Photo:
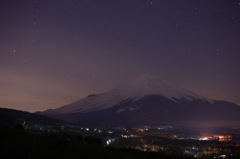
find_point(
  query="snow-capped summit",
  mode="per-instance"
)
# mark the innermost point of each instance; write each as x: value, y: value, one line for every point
x: 152, y: 85
x: 132, y: 90
x: 146, y: 100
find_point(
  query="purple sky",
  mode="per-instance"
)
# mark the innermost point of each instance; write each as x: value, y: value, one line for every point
x: 53, y: 52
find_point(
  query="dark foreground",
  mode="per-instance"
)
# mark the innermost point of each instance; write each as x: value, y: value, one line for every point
x: 25, y: 135
x: 17, y: 143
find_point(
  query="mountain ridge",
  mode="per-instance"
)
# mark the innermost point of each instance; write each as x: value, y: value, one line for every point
x: 131, y: 90
x: 146, y: 100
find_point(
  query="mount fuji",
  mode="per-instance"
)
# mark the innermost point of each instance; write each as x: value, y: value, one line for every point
x: 148, y: 100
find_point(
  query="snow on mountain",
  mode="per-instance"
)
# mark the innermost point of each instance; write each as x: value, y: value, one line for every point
x: 130, y: 91
x: 150, y: 85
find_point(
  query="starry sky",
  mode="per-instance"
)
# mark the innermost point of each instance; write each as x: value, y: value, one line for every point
x: 54, y: 52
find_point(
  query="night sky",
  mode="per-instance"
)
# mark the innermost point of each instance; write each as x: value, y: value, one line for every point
x: 53, y: 52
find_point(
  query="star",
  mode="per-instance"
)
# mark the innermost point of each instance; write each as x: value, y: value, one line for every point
x: 33, y: 41
x: 150, y: 2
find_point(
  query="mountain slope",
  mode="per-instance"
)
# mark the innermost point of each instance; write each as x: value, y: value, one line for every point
x: 147, y: 100
x: 11, y: 117
x: 132, y: 90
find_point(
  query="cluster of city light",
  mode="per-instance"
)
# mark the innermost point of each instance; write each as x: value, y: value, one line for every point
x: 142, y: 129
x: 204, y: 138
x: 115, y: 137
x: 109, y: 141
x: 216, y: 137
x: 129, y: 136
x: 223, y: 137
x: 97, y: 130
x: 110, y: 132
